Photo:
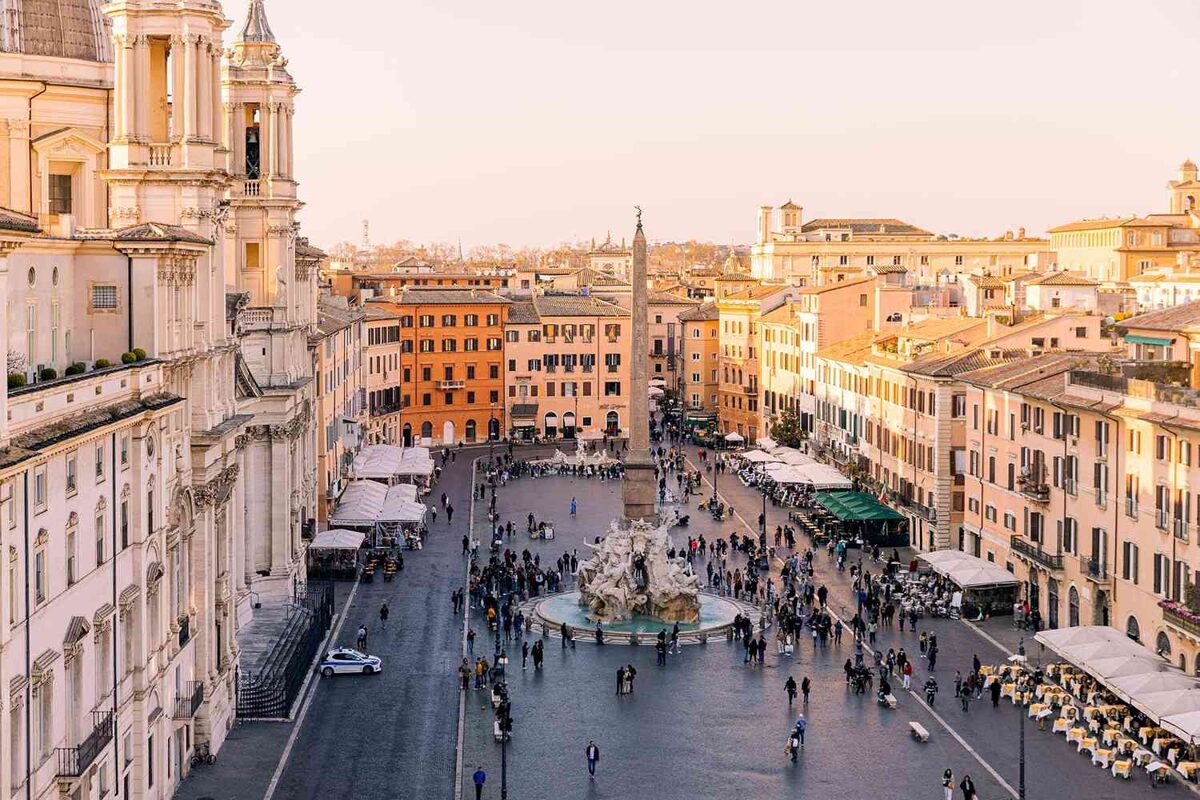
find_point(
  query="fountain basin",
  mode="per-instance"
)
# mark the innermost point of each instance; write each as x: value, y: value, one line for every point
x: 716, y: 615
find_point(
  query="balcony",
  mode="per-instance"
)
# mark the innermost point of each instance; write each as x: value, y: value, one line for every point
x: 74, y: 761
x: 1037, y: 492
x: 384, y: 410
x: 927, y: 513
x: 1034, y: 552
x: 252, y: 188
x: 188, y: 703
x: 1178, y: 615
x: 262, y: 318
x: 449, y: 385
x: 160, y: 155
x: 753, y: 390
x: 1095, y: 570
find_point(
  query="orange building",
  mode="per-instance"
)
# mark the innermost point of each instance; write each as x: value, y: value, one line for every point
x: 435, y: 375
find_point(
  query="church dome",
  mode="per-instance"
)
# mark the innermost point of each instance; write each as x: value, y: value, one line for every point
x: 59, y: 28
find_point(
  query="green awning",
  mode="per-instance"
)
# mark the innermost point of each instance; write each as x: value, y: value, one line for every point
x: 1147, y: 340
x: 855, y: 506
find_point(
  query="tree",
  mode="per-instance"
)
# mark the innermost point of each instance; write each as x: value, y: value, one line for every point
x: 787, y: 430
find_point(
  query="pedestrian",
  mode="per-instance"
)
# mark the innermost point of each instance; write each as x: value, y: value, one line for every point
x: 805, y: 688
x: 449, y: 514
x: 383, y: 614
x: 524, y: 654
x: 948, y: 784
x: 471, y: 641
x: 630, y: 674
x: 574, y: 506
x: 966, y: 700
x: 995, y: 691
x: 958, y: 683
x: 933, y: 653
x: 593, y: 757
x: 790, y: 688
x: 464, y: 674
x: 480, y: 777
x: 433, y: 518
x: 361, y: 641
x: 466, y: 540
x: 801, y: 727
x: 907, y: 675
x: 968, y: 788
x: 620, y: 681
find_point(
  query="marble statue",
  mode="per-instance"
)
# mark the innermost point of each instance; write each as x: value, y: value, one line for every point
x: 630, y: 573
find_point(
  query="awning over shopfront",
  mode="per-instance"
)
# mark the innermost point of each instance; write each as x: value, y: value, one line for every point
x: 790, y: 455
x: 386, y: 462
x: 823, y: 476
x: 367, y: 503
x: 967, y: 571
x: 855, y: 506
x: 758, y: 457
x: 1133, y: 673
x: 734, y: 438
x: 338, y: 539
x: 1135, y: 339
x: 524, y: 413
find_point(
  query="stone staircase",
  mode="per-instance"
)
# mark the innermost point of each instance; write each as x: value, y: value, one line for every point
x: 271, y: 637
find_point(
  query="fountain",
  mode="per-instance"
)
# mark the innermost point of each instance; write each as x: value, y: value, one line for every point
x: 630, y: 574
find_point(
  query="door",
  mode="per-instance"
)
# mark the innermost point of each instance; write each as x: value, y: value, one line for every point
x: 448, y: 432
x: 408, y: 442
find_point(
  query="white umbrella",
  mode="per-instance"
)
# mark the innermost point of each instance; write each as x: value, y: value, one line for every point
x: 734, y: 437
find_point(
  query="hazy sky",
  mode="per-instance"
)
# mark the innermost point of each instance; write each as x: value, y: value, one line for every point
x: 532, y: 123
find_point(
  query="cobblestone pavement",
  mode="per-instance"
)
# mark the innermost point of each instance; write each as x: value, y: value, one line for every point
x: 706, y: 726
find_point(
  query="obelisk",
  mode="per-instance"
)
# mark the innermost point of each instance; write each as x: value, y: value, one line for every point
x: 638, y: 489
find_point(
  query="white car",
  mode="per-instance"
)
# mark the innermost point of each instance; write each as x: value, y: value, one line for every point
x: 346, y: 660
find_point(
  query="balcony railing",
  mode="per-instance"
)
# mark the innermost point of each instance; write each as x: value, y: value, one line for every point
x: 1038, y: 492
x: 1160, y: 518
x: 1131, y: 507
x: 251, y: 189
x: 928, y: 513
x: 1180, y: 617
x: 1180, y: 528
x: 188, y: 703
x: 1034, y: 552
x: 446, y: 385
x: 379, y: 411
x: 74, y: 761
x: 1095, y: 569
x: 160, y: 155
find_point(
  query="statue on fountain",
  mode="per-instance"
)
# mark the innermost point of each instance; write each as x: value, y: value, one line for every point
x: 630, y: 573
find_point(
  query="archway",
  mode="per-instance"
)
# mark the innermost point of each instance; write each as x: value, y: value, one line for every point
x: 427, y: 430
x: 1132, y: 629
x: 1052, y: 603
x: 493, y: 429
x: 447, y: 432
x: 1162, y: 645
x: 569, y: 425
x: 408, y: 442
x: 612, y: 423
x: 550, y: 428
x: 470, y: 432
x: 1073, y: 607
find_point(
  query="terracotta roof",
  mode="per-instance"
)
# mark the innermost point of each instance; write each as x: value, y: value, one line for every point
x: 566, y: 305
x: 331, y: 319
x: 937, y: 365
x: 595, y: 277
x: 1166, y: 319
x: 655, y: 297
x: 887, y: 269
x: 833, y: 287
x: 1063, y: 279
x: 987, y: 281
x: 756, y: 292
x: 852, y: 350
x: 1026, y: 370
x: 886, y: 225
x: 16, y: 221
x: 706, y: 312
x: 523, y: 314
x: 159, y: 232
x: 934, y: 329
x: 789, y: 204
x: 414, y: 295
x: 306, y: 250
x: 379, y: 308
x: 1093, y: 224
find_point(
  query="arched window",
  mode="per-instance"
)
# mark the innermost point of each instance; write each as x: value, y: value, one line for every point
x: 1132, y: 629
x: 408, y: 434
x: 612, y: 423
x: 493, y: 429
x: 1073, y: 607
x: 1162, y: 644
x: 426, y: 430
x: 550, y: 428
x: 470, y: 434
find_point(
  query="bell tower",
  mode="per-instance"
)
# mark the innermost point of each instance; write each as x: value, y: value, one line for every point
x: 260, y: 98
x: 164, y: 157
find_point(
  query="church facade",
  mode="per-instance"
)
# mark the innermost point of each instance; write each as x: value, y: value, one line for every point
x: 157, y: 432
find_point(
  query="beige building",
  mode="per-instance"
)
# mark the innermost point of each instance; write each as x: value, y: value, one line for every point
x: 739, y: 370
x: 340, y: 396
x: 700, y: 348
x: 567, y: 370
x: 819, y: 251
x: 791, y: 335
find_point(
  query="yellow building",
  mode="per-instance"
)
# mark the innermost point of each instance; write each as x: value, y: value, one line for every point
x: 738, y: 362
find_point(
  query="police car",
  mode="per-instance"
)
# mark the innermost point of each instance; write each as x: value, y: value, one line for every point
x: 346, y: 660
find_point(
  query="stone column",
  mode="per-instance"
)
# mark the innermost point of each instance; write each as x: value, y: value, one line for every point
x: 638, y: 487
x: 141, y: 61
x: 214, y: 96
x: 179, y: 80
x: 272, y: 141
x: 189, y: 89
x: 204, y: 90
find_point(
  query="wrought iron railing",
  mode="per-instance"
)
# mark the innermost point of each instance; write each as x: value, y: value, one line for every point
x: 74, y: 761
x: 1034, y: 552
x: 188, y: 703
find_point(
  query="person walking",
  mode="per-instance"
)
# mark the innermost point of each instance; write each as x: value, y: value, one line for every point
x: 620, y: 681
x: 805, y: 688
x: 449, y: 514
x: 966, y: 698
x: 968, y: 788
x: 471, y: 641
x: 995, y: 692
x: 592, y: 752
x: 480, y: 778
x: 383, y: 615
x: 433, y: 519
x: 524, y: 654
x: 361, y: 640
x: 801, y: 727
x: 948, y: 784
x: 574, y: 506
x: 790, y: 688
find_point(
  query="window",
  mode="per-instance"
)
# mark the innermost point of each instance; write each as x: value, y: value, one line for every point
x: 124, y: 524
x: 471, y: 345
x: 60, y: 194
x: 471, y: 320
x: 493, y: 320
x: 493, y: 371
x: 449, y: 320
x: 104, y: 297
x: 612, y: 388
x: 39, y: 489
x: 71, y: 476
x: 426, y: 399
x: 99, y: 537
x: 99, y: 463
x: 39, y: 576
x: 494, y: 343
x: 449, y: 345
x: 426, y: 321
x: 449, y: 398
x: 958, y: 406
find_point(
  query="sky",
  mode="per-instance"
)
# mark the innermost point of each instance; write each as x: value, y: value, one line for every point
x: 532, y: 123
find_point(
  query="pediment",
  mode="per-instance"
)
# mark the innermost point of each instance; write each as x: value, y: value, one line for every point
x: 68, y: 142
